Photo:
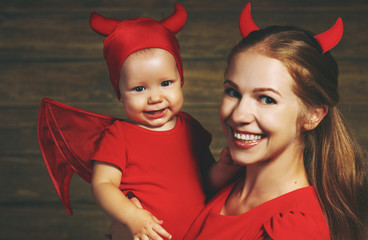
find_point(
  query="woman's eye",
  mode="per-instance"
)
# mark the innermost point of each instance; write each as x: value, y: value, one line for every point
x: 139, y: 89
x: 166, y: 83
x: 267, y: 100
x: 232, y: 93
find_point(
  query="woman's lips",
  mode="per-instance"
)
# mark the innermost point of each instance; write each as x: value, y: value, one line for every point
x: 246, y: 140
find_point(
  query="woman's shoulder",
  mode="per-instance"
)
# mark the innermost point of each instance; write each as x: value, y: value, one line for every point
x: 303, y: 219
x: 296, y: 224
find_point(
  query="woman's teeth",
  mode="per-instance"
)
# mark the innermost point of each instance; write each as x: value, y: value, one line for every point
x: 247, y: 137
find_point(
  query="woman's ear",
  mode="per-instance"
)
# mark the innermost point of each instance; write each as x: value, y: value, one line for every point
x: 314, y: 117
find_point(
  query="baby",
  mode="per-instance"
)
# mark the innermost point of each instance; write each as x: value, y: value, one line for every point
x: 159, y: 154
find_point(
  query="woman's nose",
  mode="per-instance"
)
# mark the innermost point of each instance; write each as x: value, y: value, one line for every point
x: 243, y: 113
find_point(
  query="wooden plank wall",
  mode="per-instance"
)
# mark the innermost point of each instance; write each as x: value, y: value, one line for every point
x: 48, y: 50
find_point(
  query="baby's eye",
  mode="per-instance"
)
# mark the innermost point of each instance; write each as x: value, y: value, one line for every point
x: 232, y: 93
x: 166, y: 83
x: 267, y: 100
x: 139, y: 89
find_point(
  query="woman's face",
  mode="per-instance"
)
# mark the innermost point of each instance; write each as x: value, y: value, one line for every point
x: 259, y: 111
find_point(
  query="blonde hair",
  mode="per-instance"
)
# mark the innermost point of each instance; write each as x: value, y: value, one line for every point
x: 333, y: 159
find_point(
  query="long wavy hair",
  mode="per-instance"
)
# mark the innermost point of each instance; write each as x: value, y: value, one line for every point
x: 334, y: 161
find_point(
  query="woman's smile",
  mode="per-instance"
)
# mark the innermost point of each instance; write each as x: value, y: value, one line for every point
x: 246, y: 140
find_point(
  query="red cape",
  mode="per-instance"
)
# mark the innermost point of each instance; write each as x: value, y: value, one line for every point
x: 68, y: 137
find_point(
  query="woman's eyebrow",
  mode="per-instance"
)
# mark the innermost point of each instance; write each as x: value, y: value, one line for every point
x: 267, y: 90
x: 227, y: 81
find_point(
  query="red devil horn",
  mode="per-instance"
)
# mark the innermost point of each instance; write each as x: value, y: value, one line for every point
x: 246, y: 23
x: 329, y: 39
x: 102, y: 25
x: 176, y: 21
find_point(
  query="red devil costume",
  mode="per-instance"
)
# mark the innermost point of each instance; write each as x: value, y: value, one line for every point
x: 160, y: 168
x: 294, y: 215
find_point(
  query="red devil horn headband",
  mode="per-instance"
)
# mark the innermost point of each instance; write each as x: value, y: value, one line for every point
x: 105, y: 26
x: 246, y: 23
x: 331, y: 37
x: 327, y: 40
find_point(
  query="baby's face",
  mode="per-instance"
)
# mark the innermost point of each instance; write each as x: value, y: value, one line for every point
x: 150, y: 89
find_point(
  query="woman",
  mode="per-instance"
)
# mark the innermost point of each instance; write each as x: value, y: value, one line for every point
x: 304, y: 170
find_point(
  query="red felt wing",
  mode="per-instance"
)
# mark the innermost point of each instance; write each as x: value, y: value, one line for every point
x: 68, y: 137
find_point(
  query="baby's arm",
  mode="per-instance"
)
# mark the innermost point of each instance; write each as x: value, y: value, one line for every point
x: 105, y: 188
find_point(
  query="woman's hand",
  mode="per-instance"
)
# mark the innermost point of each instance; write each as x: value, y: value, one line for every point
x: 224, y: 171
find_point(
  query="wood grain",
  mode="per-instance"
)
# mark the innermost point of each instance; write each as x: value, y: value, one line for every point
x: 47, y: 49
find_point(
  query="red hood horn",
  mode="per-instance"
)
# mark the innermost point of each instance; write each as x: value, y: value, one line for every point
x: 176, y: 21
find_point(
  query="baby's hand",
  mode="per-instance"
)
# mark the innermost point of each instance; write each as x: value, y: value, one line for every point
x: 142, y: 225
x: 145, y: 226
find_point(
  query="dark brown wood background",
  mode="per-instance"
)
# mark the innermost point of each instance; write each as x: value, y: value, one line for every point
x: 47, y: 49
